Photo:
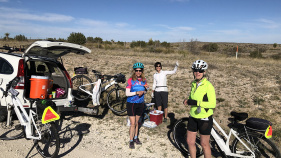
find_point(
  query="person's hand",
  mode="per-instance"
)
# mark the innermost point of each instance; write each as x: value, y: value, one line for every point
x: 152, y: 95
x: 146, y: 86
x: 177, y: 63
x: 185, y: 101
x: 140, y: 93
x: 192, y: 102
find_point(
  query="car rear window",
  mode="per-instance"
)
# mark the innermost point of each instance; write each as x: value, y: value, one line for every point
x: 5, y: 67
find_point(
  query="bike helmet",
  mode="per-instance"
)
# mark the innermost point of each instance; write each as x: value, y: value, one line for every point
x: 199, y: 65
x: 138, y: 65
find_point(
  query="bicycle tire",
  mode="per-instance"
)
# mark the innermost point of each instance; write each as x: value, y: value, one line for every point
x: 49, y: 145
x: 180, y: 135
x: 262, y: 146
x: 12, y: 131
x: 117, y: 100
x: 78, y: 81
x: 3, y: 114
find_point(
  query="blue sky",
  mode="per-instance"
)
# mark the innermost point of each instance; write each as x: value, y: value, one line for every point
x: 241, y: 21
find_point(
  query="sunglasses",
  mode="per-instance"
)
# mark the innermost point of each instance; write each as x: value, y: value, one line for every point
x: 158, y: 66
x: 198, y: 70
x: 138, y: 70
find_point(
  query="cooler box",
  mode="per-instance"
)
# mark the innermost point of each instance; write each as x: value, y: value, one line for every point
x: 156, y: 117
x: 39, y: 86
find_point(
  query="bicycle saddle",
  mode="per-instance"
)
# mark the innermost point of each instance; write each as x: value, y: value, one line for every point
x: 240, y: 116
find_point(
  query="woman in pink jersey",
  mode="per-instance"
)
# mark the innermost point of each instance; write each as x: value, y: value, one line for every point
x: 135, y: 90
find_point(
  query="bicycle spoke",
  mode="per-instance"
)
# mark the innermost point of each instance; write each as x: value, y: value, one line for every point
x: 81, y: 80
x: 48, y: 146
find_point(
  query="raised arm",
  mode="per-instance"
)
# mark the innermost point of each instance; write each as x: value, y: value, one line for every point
x: 174, y: 71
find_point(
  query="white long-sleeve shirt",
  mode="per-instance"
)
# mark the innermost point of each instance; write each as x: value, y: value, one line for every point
x: 160, y: 80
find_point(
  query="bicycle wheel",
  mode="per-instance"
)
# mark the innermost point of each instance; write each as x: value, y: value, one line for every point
x: 261, y: 146
x: 49, y: 145
x: 77, y: 92
x: 117, y: 100
x: 180, y: 135
x: 12, y: 131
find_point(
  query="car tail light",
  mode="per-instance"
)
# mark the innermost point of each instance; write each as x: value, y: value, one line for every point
x: 20, y: 74
x: 68, y: 77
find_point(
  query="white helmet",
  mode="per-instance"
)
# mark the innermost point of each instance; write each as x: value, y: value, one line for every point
x: 199, y: 65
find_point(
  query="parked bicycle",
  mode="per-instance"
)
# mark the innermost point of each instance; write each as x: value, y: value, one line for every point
x: 84, y: 87
x: 45, y: 136
x: 250, y: 139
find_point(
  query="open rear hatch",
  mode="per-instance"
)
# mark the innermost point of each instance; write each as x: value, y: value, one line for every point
x: 41, y: 60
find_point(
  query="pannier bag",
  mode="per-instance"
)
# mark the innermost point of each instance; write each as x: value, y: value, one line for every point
x: 120, y: 78
x: 260, y: 125
x: 80, y: 70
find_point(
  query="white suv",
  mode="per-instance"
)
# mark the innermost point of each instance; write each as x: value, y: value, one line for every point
x: 39, y: 59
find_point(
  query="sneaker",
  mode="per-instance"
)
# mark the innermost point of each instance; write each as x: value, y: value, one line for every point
x: 132, y: 145
x: 165, y: 120
x: 137, y: 141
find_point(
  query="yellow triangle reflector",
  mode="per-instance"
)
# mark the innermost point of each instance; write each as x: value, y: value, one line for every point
x: 268, y: 132
x: 49, y: 115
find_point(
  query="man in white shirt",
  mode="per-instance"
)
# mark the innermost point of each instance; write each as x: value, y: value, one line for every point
x: 159, y: 89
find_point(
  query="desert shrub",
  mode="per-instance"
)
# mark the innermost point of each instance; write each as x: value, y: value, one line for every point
x: 107, y: 42
x: 90, y: 39
x: 211, y: 47
x: 20, y: 38
x: 165, y: 44
x: 98, y: 40
x: 274, y: 45
x: 120, y: 43
x: 256, y: 54
x: 276, y: 56
x: 61, y: 40
x: 77, y: 38
x: 156, y: 50
x: 140, y: 44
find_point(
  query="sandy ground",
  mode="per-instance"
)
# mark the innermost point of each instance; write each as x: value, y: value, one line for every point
x: 85, y: 136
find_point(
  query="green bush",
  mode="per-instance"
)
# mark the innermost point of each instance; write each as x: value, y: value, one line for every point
x: 20, y: 38
x: 140, y: 44
x: 211, y: 47
x: 77, y: 38
x: 90, y: 39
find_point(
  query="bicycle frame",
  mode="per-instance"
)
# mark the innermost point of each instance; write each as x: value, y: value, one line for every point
x: 25, y: 119
x: 224, y: 145
x: 102, y: 89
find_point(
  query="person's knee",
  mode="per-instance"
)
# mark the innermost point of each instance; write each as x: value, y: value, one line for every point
x: 190, y: 142
x: 205, y: 144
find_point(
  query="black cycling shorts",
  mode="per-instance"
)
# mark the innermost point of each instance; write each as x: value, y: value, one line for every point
x: 161, y: 99
x: 134, y: 109
x: 204, y: 126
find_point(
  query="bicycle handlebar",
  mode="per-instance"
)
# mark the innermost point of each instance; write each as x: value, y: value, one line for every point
x: 12, y: 83
x: 108, y: 77
x: 13, y: 49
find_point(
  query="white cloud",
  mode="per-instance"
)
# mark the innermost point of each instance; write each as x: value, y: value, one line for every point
x: 93, y: 23
x: 24, y: 15
x: 268, y: 23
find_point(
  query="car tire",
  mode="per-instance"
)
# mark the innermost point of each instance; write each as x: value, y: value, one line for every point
x: 3, y: 114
